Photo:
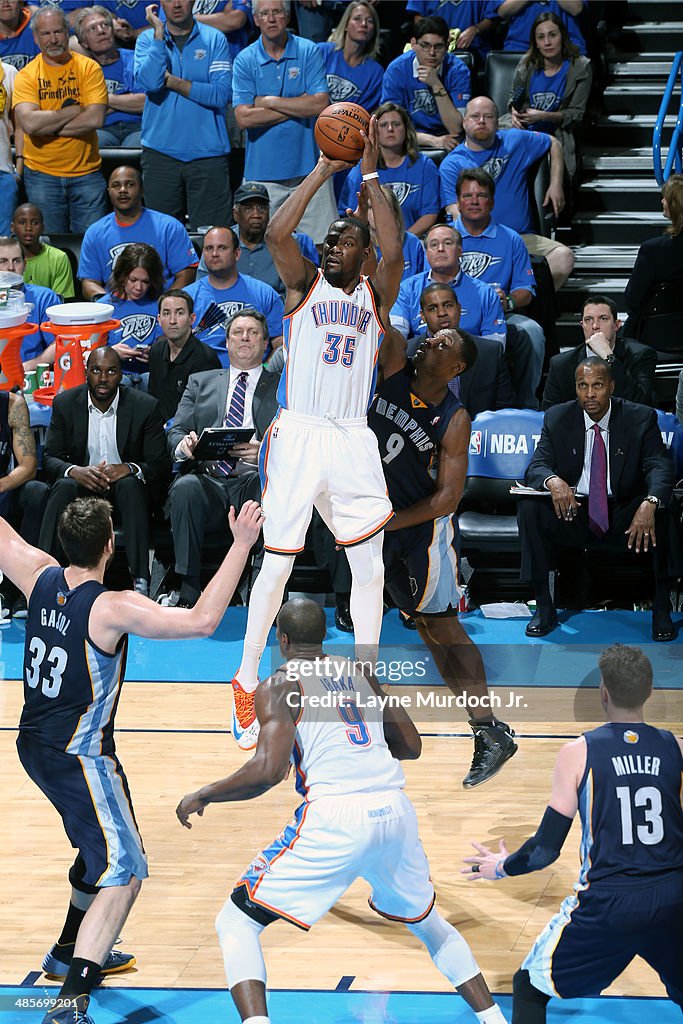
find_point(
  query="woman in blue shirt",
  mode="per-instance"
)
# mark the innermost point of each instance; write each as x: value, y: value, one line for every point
x: 413, y: 178
x: 136, y: 282
x: 352, y: 70
x: 551, y: 86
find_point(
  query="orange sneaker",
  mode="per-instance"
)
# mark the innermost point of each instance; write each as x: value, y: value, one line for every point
x: 245, y: 727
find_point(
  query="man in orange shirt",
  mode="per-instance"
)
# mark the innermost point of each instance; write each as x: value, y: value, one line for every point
x: 60, y: 100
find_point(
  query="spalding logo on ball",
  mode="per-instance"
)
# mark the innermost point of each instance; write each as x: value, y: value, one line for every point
x: 338, y: 131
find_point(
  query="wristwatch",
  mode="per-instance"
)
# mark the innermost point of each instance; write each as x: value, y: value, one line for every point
x: 609, y: 359
x: 653, y: 500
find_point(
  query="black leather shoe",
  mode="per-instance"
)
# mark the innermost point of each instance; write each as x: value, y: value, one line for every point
x: 342, y: 618
x: 541, y: 624
x: 663, y: 629
x: 407, y: 620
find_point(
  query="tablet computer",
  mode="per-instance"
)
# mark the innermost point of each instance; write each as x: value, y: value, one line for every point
x: 216, y: 442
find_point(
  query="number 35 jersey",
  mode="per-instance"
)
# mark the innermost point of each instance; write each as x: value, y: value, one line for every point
x: 331, y: 342
x: 630, y: 805
x: 71, y: 687
x: 339, y: 746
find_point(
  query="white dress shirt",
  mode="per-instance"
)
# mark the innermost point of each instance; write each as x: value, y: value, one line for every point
x: 102, y: 434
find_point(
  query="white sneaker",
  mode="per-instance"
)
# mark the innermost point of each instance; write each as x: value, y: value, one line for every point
x: 169, y: 600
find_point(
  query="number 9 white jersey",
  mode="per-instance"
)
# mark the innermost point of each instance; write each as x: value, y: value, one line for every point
x: 340, y: 746
x: 331, y: 342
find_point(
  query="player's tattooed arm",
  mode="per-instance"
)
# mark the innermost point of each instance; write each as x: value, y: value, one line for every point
x: 23, y: 445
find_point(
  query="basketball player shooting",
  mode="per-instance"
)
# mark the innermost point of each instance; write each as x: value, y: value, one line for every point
x: 319, y: 451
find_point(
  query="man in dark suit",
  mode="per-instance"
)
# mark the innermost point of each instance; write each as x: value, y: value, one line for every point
x: 633, y: 365
x: 487, y: 384
x: 107, y: 440
x: 610, y: 480
x: 201, y: 495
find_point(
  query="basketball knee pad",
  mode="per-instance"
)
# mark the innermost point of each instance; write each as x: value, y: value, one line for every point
x: 238, y: 935
x: 76, y: 873
x: 447, y: 948
x: 365, y: 560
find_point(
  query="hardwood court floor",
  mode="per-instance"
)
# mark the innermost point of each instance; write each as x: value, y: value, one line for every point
x: 171, y: 739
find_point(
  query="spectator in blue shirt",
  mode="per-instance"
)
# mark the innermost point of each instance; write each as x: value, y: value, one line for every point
x: 473, y: 19
x: 412, y: 177
x: 94, y: 28
x: 413, y: 249
x: 133, y: 222
x: 507, y: 156
x: 130, y: 19
x: 38, y: 347
x: 225, y: 291
x: 521, y: 15
x: 17, y: 45
x: 551, y: 86
x: 133, y: 289
x: 482, y: 312
x: 497, y: 256
x: 231, y: 17
x: 433, y: 85
x: 279, y: 89
x: 252, y: 214
x: 186, y: 71
x: 352, y: 71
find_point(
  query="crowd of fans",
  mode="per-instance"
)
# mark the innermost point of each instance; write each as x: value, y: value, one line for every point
x: 195, y: 92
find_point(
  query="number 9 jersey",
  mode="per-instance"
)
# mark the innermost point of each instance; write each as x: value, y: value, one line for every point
x: 71, y: 687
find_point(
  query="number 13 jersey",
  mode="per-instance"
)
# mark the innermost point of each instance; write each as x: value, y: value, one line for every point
x: 71, y: 687
x: 630, y: 805
x: 331, y: 342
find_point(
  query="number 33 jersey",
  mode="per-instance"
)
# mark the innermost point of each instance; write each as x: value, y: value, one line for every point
x: 339, y: 747
x: 331, y: 342
x: 630, y: 805
x: 71, y: 687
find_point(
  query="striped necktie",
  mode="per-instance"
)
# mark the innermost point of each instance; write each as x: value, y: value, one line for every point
x: 454, y: 387
x: 234, y: 417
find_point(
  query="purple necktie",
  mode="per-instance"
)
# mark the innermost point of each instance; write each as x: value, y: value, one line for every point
x: 598, y: 514
x: 234, y: 418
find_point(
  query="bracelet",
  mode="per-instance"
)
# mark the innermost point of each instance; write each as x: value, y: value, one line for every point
x: 498, y: 872
x: 441, y: 93
x: 370, y: 176
x: 132, y: 468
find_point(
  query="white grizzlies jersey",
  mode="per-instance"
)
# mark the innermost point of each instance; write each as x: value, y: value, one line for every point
x: 339, y: 746
x: 331, y: 343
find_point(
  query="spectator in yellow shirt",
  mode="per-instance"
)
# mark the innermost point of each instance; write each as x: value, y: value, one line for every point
x: 60, y: 100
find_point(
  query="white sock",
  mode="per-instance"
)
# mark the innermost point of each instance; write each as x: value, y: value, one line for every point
x: 257, y: 1020
x: 494, y: 1015
x: 367, y: 589
x: 264, y: 604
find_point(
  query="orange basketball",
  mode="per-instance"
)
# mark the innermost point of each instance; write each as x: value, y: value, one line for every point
x: 338, y: 131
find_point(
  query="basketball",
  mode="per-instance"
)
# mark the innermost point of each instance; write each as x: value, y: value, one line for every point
x: 338, y: 131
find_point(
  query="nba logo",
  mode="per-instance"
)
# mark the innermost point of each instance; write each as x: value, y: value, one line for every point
x: 475, y: 442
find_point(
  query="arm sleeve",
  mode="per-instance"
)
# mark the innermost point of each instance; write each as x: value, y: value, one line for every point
x: 448, y: 175
x: 151, y: 62
x: 315, y: 79
x: 391, y: 87
x: 93, y: 85
x: 544, y: 460
x: 636, y: 383
x: 217, y: 92
x: 576, y: 101
x: 430, y: 194
x: 641, y: 281
x: 274, y: 310
x: 522, y: 272
x: 181, y: 252
x: 243, y: 85
x: 492, y: 316
x: 543, y: 848
x: 89, y: 264
x: 63, y: 279
x: 552, y: 394
x: 458, y: 84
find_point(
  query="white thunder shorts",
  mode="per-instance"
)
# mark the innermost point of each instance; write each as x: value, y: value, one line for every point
x: 332, y: 465
x: 331, y: 842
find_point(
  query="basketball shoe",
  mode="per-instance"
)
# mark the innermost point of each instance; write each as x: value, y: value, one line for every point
x: 245, y: 727
x: 493, y: 746
x: 76, y: 1012
x: 56, y: 967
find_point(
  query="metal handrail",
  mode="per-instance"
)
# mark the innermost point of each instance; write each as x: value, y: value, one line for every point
x: 674, y: 157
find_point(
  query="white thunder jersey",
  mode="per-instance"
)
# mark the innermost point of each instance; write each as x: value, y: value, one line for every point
x: 331, y: 342
x: 339, y: 747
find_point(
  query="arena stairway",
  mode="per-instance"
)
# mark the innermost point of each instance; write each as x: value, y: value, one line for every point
x: 618, y: 204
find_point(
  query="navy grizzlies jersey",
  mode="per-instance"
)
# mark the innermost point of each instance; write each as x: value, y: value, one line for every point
x: 408, y: 432
x: 630, y: 804
x: 71, y: 687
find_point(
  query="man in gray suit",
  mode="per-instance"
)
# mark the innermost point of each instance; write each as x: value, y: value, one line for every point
x: 201, y: 495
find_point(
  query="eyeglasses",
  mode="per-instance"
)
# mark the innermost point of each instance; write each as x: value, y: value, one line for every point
x: 274, y: 12
x: 603, y: 319
x: 431, y: 47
